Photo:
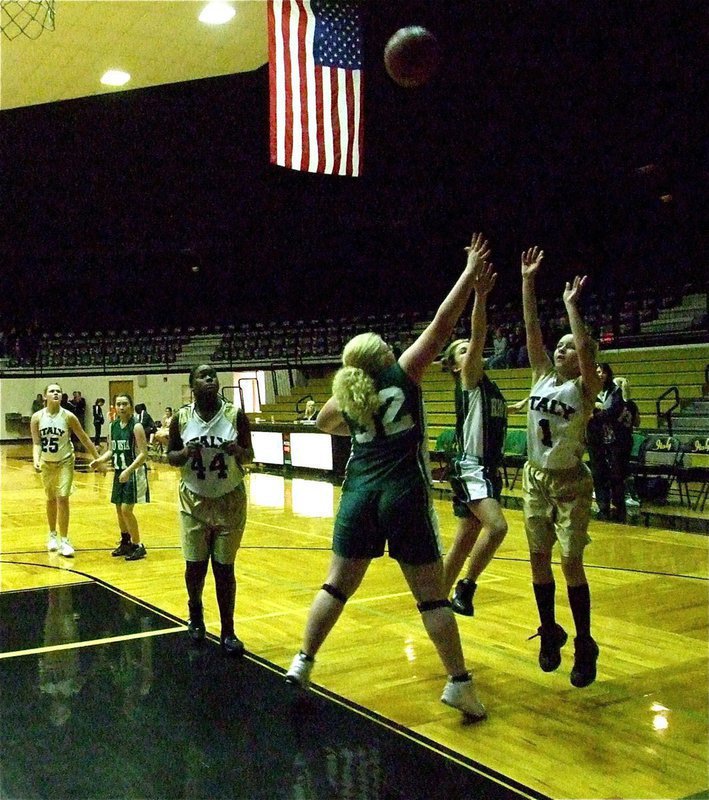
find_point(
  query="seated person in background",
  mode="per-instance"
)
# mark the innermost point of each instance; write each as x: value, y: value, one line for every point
x: 162, y: 434
x: 500, y: 346
x: 309, y: 413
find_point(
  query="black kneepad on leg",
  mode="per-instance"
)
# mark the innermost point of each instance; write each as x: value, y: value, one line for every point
x: 333, y: 591
x: 432, y: 605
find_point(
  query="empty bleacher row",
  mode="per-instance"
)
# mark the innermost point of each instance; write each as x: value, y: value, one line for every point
x: 641, y: 315
x: 262, y: 344
x: 301, y: 341
x: 100, y: 349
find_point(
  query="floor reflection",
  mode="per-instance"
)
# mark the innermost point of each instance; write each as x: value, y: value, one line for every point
x: 152, y: 717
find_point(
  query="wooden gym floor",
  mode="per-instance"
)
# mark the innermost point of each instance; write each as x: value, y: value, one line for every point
x: 103, y: 697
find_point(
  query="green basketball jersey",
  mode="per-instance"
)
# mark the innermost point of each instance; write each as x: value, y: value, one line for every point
x: 122, y: 444
x: 392, y: 449
x: 481, y: 422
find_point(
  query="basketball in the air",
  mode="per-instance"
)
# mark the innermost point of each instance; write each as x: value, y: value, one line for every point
x: 411, y: 56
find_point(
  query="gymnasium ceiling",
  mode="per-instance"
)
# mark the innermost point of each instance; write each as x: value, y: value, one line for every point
x: 543, y: 124
x: 156, y: 41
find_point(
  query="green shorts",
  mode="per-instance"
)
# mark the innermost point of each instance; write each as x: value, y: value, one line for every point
x: 557, y: 507
x: 134, y: 490
x: 212, y: 526
x: 402, y: 517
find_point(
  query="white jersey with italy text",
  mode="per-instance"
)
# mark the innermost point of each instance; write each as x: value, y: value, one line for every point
x: 210, y: 473
x: 55, y: 436
x: 556, y: 422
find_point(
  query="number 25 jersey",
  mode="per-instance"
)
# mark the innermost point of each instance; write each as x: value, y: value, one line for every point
x: 210, y: 473
x: 55, y: 436
x: 556, y: 423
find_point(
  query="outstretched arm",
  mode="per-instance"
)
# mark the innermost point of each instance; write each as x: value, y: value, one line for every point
x: 330, y: 419
x: 472, y: 369
x: 81, y: 435
x: 416, y: 358
x: 538, y: 358
x: 585, y: 349
x: 36, y: 441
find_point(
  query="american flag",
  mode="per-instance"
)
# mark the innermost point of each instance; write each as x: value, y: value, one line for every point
x: 315, y: 73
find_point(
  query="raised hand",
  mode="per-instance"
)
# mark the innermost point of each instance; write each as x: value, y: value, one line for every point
x: 531, y: 259
x: 484, y: 279
x: 478, y: 251
x: 572, y: 292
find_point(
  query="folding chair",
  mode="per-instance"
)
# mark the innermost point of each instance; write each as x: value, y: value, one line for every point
x: 659, y: 463
x: 446, y: 447
x: 694, y: 469
x: 515, y: 454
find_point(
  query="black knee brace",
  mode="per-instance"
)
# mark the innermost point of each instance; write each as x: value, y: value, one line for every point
x: 432, y: 605
x: 334, y: 592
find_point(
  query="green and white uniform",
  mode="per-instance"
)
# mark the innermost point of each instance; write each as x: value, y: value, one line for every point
x: 386, y: 492
x: 481, y: 423
x: 123, y: 454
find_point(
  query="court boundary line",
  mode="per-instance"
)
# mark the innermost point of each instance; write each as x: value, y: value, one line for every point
x: 90, y: 642
x: 501, y: 559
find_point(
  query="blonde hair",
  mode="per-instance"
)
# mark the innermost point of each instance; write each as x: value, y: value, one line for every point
x: 353, y: 387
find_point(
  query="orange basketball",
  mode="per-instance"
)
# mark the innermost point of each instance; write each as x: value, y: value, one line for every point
x: 411, y: 56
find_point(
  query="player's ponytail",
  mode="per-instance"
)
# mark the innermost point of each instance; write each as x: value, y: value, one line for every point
x: 353, y: 386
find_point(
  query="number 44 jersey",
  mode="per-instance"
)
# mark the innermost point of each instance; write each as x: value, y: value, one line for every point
x: 556, y: 422
x: 211, y: 472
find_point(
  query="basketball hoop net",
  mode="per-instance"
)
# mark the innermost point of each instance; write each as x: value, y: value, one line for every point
x: 26, y: 17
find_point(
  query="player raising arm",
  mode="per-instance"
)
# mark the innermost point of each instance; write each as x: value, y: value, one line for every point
x: 386, y: 494
x: 557, y: 484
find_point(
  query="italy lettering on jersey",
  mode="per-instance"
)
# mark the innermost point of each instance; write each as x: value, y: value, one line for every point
x: 211, y: 472
x: 481, y: 422
x: 55, y: 436
x: 391, y: 448
x: 556, y: 422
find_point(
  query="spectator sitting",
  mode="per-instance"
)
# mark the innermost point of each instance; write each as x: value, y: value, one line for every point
x: 310, y: 412
x: 499, y: 347
x: 162, y: 434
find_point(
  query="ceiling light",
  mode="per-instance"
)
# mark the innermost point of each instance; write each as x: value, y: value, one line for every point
x: 115, y: 77
x: 216, y: 13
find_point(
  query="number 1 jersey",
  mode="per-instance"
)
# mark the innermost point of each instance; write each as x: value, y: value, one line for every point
x: 556, y: 423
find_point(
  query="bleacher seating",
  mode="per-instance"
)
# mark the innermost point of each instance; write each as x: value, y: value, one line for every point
x: 638, y: 316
